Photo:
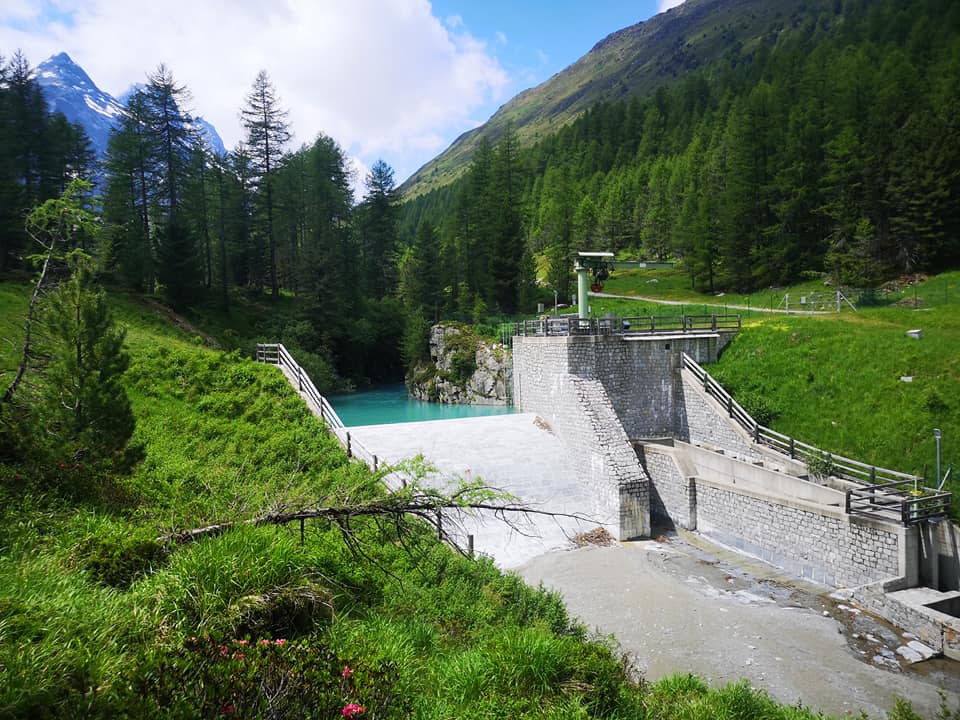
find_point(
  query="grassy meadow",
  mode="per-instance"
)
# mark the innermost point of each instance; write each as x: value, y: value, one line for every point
x: 99, y: 619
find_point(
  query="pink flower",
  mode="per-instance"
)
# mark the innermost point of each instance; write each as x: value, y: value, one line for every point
x: 347, y: 672
x: 281, y: 642
x: 264, y: 642
x: 227, y: 710
x: 351, y: 710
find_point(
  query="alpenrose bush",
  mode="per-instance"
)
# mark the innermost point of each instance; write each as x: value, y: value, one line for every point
x: 247, y: 678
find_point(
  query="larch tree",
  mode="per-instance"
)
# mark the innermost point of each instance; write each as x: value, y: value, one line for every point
x: 267, y: 133
x: 170, y: 127
x: 378, y: 229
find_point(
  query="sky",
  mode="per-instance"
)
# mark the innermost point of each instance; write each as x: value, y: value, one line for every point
x: 397, y: 80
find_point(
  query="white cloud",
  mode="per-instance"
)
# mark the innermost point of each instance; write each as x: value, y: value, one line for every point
x: 385, y: 78
x: 664, y: 5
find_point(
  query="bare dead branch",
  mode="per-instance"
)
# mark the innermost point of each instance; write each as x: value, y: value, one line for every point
x: 25, y: 353
x: 426, y: 506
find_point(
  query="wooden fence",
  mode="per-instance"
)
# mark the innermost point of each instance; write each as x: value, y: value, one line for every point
x: 277, y: 354
x: 885, y: 493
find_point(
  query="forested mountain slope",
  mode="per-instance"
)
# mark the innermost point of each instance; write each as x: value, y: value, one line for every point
x: 833, y: 148
x: 634, y: 61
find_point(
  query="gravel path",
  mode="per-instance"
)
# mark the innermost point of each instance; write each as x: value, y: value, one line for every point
x: 680, y: 607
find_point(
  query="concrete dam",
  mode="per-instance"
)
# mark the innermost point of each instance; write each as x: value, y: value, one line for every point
x: 623, y: 424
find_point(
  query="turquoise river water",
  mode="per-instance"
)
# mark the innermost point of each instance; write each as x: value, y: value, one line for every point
x: 390, y: 404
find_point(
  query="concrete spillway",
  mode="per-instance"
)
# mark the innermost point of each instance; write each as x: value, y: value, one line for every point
x: 514, y: 453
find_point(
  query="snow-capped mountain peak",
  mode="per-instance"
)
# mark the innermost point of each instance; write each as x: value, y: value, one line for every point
x: 69, y: 90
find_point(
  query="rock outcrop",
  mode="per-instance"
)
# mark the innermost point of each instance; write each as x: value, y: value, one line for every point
x: 463, y: 369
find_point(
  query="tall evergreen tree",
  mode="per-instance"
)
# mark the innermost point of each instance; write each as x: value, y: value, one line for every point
x: 132, y: 170
x: 378, y: 229
x: 509, y: 242
x: 172, y: 141
x: 87, y: 407
x: 267, y: 133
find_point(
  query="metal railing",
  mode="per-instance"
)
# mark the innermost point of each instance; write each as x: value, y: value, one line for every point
x: 277, y: 354
x: 886, y: 493
x: 642, y: 325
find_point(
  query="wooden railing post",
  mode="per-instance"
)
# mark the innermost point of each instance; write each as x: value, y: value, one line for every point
x: 729, y: 405
x: 792, y: 450
x: 299, y: 378
x: 846, y: 508
x: 349, y: 448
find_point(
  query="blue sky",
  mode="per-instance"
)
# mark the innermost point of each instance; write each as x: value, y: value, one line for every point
x: 391, y: 79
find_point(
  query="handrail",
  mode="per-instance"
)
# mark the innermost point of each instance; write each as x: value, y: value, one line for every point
x: 913, y: 504
x: 640, y: 325
x: 277, y: 354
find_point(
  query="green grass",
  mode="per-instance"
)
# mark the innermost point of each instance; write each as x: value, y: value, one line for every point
x: 99, y: 620
x: 838, y: 381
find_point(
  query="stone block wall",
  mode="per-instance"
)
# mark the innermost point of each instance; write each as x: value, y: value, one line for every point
x: 702, y: 421
x: 811, y: 542
x: 933, y: 629
x: 673, y: 489
x: 579, y: 411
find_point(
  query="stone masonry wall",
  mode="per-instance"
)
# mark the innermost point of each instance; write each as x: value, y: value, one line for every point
x: 579, y: 411
x: 702, y: 421
x: 816, y: 544
x: 673, y: 491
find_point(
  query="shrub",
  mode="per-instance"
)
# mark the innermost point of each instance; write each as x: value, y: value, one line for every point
x: 119, y: 560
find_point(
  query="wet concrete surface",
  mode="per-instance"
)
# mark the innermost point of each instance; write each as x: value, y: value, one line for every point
x: 682, y: 605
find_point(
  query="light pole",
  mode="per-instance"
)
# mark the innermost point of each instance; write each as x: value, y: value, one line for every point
x: 555, y: 311
x: 936, y: 435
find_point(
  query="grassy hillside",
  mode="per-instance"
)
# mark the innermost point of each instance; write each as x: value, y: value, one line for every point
x: 99, y: 619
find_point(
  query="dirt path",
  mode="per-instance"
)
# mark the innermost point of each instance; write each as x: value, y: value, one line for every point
x: 680, y: 607
x: 751, y: 308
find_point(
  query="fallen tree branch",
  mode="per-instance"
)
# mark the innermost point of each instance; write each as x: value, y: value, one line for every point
x: 428, y: 506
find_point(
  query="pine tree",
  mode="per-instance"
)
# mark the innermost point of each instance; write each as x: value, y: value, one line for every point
x: 169, y: 126
x: 86, y: 407
x: 378, y: 229
x: 131, y: 188
x: 509, y: 243
x: 267, y: 133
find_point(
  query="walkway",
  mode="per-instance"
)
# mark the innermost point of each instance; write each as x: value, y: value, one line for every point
x: 514, y: 453
x: 725, y: 306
